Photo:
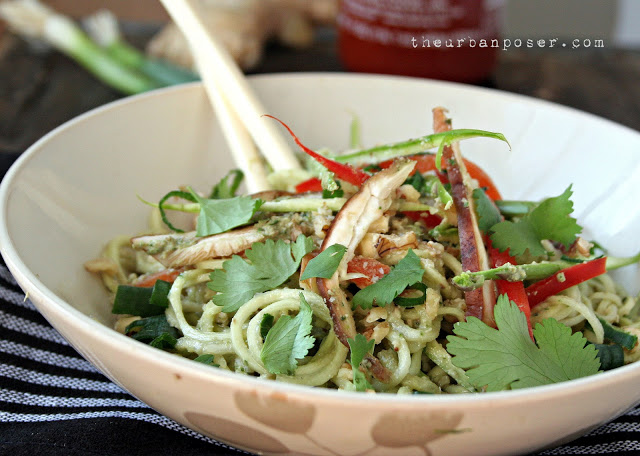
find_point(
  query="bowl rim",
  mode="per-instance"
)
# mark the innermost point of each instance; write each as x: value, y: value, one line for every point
x: 53, y: 303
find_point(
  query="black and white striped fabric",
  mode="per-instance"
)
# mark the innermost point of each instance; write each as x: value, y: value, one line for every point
x: 53, y: 402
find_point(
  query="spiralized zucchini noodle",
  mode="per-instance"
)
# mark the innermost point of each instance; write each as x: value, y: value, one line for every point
x: 384, y: 238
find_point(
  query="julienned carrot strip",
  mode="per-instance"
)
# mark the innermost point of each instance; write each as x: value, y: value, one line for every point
x: 564, y: 279
x: 342, y: 171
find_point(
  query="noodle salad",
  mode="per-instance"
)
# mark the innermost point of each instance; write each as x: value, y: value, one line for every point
x: 390, y: 269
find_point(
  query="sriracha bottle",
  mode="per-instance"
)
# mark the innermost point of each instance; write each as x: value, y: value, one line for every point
x: 456, y: 40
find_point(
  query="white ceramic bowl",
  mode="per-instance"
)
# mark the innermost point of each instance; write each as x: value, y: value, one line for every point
x: 77, y: 187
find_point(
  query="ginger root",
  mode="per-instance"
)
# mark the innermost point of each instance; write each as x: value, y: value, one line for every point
x: 245, y: 26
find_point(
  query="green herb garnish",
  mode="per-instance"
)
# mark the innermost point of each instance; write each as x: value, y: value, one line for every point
x: 270, y: 265
x: 360, y: 347
x: 325, y: 264
x: 407, y: 272
x: 220, y: 215
x: 549, y: 220
x: 507, y: 358
x: 288, y: 340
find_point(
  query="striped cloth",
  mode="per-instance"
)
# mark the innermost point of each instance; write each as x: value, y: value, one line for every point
x: 54, y: 402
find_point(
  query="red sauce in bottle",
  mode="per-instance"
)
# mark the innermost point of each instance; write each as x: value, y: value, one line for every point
x: 456, y: 40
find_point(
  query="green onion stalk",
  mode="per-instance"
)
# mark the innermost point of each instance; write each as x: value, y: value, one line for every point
x: 34, y: 20
x: 386, y: 152
x: 103, y: 28
x: 533, y: 271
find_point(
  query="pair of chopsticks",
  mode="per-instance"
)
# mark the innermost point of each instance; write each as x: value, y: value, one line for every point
x: 237, y: 107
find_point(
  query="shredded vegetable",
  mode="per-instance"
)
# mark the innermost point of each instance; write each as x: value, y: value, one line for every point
x: 391, y: 270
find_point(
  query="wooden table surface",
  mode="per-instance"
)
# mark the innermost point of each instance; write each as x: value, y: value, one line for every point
x: 39, y: 91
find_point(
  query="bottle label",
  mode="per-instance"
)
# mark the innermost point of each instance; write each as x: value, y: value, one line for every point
x: 411, y: 23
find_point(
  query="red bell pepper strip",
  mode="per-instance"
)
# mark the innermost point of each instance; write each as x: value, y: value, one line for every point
x: 564, y: 279
x: 515, y: 291
x: 168, y: 275
x: 342, y: 171
x: 430, y: 220
x: 372, y: 269
x: 310, y: 185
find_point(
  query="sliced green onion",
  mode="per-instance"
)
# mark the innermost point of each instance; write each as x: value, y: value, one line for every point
x: 156, y: 330
x: 412, y: 302
x: 618, y: 336
x: 160, y: 294
x: 164, y: 341
x: 142, y: 301
x: 610, y: 356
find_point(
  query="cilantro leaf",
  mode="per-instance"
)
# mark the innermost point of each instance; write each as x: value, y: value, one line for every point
x: 288, y: 340
x: 271, y: 264
x: 407, y: 272
x: 224, y: 189
x: 549, y: 220
x: 359, y: 347
x: 488, y: 213
x: 506, y: 357
x: 220, y: 215
x: 325, y: 264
